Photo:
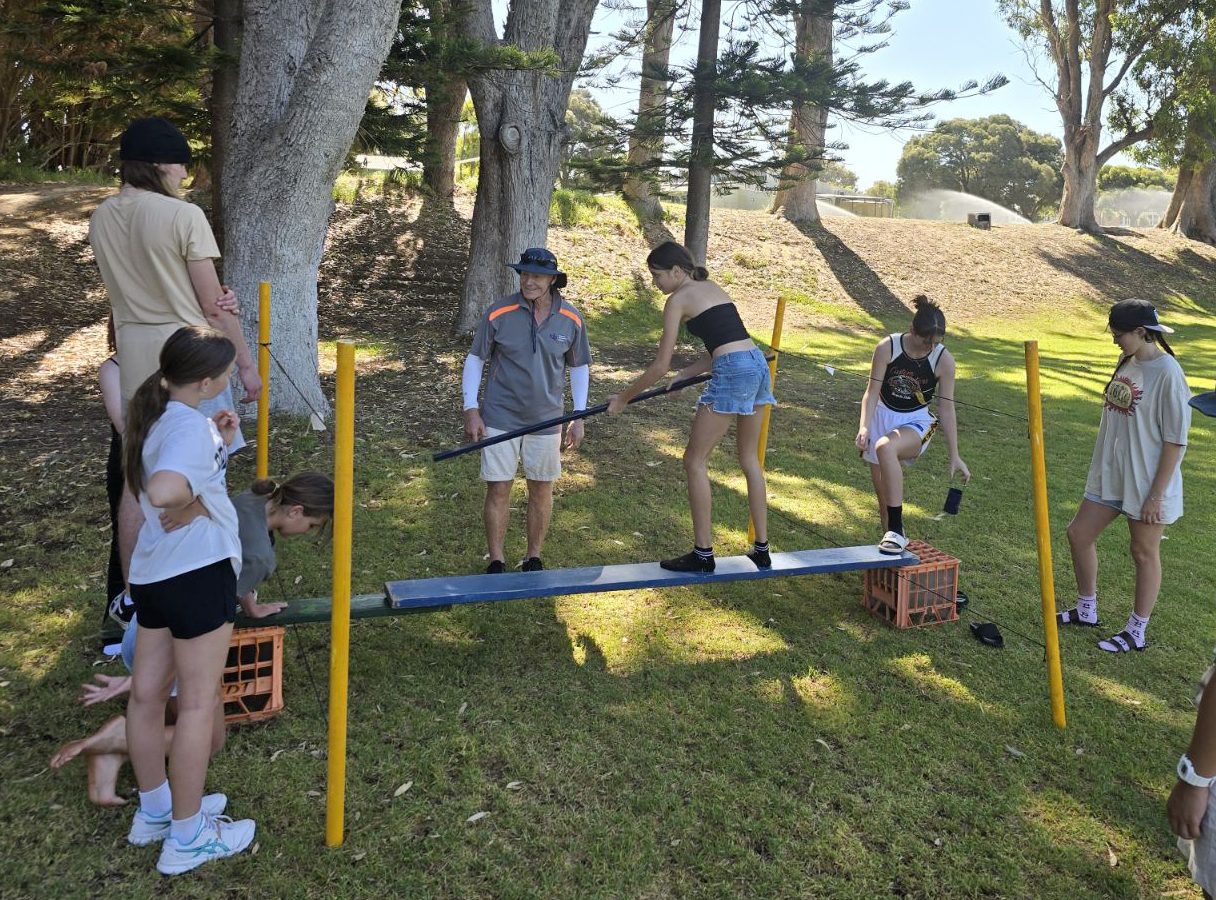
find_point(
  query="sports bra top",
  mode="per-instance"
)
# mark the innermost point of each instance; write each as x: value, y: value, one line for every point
x: 909, y: 382
x: 718, y: 325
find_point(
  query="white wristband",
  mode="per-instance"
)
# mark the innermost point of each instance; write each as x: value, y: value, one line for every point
x: 1187, y: 773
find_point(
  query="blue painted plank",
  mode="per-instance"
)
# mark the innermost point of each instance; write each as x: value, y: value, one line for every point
x: 427, y: 592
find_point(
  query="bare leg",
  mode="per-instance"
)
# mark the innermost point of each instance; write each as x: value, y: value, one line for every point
x: 903, y: 443
x: 103, y: 771
x: 880, y: 493
x: 150, y: 685
x: 199, y: 662
x: 1089, y: 522
x: 497, y: 512
x: 1146, y: 554
x: 540, y: 511
x: 130, y: 520
x: 747, y: 441
x: 109, y: 738
x: 218, y: 726
x: 708, y: 427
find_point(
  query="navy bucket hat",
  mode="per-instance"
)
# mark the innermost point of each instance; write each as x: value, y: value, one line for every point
x: 541, y: 262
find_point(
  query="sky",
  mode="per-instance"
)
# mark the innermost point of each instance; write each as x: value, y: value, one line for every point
x: 934, y: 44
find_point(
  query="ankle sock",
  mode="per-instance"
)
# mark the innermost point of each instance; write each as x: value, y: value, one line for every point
x: 1136, y: 626
x: 700, y: 560
x: 156, y: 802
x: 759, y: 554
x: 1087, y: 607
x: 184, y: 830
x: 895, y: 519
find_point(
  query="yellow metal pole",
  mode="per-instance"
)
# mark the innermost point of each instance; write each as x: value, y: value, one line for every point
x: 775, y: 343
x: 264, y: 372
x: 1047, y: 588
x: 339, y: 647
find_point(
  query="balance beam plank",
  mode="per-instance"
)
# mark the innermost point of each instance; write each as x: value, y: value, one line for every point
x: 424, y: 593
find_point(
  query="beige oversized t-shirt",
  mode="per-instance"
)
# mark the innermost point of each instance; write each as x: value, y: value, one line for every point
x: 142, y: 241
x: 1146, y: 405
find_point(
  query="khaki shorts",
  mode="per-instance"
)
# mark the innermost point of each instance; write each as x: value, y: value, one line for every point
x: 542, y: 455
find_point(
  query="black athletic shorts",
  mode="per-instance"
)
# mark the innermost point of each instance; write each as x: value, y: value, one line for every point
x: 191, y: 604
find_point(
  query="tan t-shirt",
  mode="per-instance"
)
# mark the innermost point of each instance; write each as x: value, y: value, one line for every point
x: 1146, y: 406
x: 142, y: 241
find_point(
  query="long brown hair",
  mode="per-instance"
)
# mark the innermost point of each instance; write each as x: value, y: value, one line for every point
x: 191, y: 354
x: 310, y: 490
x: 145, y: 175
x: 670, y: 255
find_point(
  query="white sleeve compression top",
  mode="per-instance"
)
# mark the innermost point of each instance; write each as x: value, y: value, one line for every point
x: 580, y: 386
x: 580, y: 382
x: 471, y: 382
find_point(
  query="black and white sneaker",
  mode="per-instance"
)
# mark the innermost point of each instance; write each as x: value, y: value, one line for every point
x: 496, y: 567
x: 122, y: 608
x: 532, y: 564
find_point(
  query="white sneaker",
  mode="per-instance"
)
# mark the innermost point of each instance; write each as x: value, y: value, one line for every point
x: 217, y: 837
x: 146, y: 829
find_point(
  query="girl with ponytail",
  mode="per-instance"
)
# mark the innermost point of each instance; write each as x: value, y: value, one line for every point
x: 1136, y: 469
x: 896, y: 425
x: 298, y: 505
x: 183, y: 583
x: 741, y: 383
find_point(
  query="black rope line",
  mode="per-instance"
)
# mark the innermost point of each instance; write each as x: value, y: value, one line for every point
x: 868, y: 377
x: 797, y: 523
x: 303, y: 653
x: 311, y: 408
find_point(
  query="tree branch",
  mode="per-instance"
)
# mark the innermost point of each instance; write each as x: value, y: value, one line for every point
x: 1132, y: 137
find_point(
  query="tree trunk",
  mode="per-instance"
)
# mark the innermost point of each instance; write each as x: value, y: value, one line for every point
x: 650, y: 129
x: 521, y: 118
x: 306, y: 70
x: 1192, y: 211
x: 814, y: 23
x: 701, y: 153
x: 444, y: 103
x: 1080, y: 179
x: 227, y: 37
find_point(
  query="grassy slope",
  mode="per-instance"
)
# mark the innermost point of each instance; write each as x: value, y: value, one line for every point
x: 757, y: 740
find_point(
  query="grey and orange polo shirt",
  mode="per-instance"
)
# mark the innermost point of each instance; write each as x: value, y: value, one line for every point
x: 527, y: 360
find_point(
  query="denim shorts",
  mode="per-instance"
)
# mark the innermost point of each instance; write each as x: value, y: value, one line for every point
x: 1113, y: 504
x: 739, y: 382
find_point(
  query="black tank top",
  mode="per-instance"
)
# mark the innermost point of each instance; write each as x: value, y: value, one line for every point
x: 909, y: 383
x: 718, y: 325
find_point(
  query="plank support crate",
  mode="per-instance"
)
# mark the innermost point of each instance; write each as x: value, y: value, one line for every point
x: 252, y: 684
x: 915, y: 595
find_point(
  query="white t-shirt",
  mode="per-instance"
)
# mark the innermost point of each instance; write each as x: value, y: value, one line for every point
x: 1146, y: 405
x: 185, y: 441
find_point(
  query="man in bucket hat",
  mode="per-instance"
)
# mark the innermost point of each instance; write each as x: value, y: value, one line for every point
x: 530, y: 340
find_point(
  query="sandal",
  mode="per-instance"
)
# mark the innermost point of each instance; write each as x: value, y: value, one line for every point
x: 1073, y: 617
x: 893, y: 543
x: 1121, y: 643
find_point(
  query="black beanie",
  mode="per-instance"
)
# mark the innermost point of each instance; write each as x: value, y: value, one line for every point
x: 155, y: 141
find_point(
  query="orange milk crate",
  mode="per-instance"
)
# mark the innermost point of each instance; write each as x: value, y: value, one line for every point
x: 920, y: 594
x: 252, y: 684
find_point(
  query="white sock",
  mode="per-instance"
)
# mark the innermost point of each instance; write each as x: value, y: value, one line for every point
x: 1135, y: 627
x: 157, y: 802
x: 1087, y: 607
x: 185, y: 830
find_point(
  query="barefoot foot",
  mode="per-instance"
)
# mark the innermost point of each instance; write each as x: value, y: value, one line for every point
x: 103, y: 778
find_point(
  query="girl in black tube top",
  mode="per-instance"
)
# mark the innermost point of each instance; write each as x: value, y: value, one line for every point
x: 740, y: 383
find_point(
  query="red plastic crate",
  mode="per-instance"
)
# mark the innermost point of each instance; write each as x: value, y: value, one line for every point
x: 916, y: 595
x: 252, y: 684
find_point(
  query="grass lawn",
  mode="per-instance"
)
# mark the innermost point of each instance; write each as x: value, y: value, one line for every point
x: 764, y: 739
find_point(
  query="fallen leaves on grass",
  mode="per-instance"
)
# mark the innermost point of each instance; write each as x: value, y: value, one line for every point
x: 476, y: 817
x: 403, y: 788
